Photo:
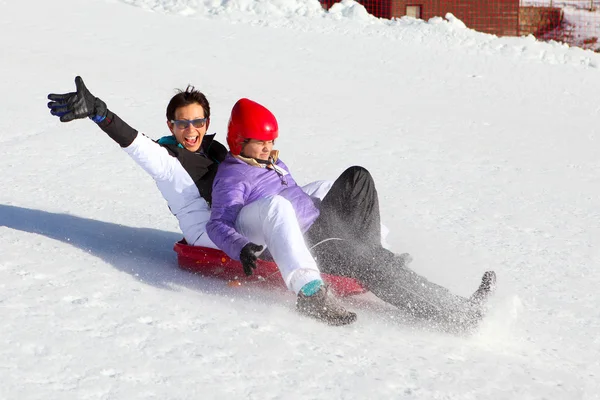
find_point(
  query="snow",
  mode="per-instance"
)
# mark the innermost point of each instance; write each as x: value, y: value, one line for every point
x: 484, y: 150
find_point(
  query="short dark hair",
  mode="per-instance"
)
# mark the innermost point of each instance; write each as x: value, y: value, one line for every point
x: 186, y: 97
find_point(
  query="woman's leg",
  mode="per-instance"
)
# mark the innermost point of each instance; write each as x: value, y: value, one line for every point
x: 346, y: 241
x: 385, y: 276
x: 350, y: 210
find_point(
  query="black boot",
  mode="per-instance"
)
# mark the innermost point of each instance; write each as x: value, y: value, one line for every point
x: 487, y: 287
x: 324, y: 307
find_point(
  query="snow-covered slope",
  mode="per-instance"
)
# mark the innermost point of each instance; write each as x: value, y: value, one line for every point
x: 483, y: 149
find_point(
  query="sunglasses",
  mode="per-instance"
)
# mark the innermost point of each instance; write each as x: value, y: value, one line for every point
x: 185, y: 123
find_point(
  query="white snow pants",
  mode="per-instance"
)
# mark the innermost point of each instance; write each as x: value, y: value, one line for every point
x: 272, y: 221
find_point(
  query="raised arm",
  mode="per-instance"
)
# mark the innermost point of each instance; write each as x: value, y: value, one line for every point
x: 152, y: 157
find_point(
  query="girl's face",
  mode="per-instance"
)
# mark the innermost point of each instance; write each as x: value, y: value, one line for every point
x: 259, y: 149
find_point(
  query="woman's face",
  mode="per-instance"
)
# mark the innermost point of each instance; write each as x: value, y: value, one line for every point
x: 189, y: 126
x: 259, y: 149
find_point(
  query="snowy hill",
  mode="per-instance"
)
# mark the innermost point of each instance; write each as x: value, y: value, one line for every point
x: 484, y: 150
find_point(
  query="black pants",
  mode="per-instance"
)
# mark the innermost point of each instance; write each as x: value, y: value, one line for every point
x: 346, y: 241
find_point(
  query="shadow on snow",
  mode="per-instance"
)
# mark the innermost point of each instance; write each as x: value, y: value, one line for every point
x: 146, y: 254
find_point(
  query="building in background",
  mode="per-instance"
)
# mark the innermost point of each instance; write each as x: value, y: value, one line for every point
x: 576, y: 22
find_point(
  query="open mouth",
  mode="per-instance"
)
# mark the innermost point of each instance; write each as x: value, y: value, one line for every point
x: 191, y: 140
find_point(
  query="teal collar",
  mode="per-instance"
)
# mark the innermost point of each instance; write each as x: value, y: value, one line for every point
x: 169, y: 140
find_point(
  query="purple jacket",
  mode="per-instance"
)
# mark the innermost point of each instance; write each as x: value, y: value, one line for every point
x: 237, y: 184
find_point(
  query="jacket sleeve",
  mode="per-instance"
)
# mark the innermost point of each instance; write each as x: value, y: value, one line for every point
x: 149, y: 155
x: 153, y: 158
x: 228, y: 197
x: 117, y: 129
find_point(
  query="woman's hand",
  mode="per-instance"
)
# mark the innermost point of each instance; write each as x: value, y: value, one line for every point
x: 76, y: 105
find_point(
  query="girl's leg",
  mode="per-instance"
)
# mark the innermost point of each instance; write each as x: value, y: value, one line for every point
x: 272, y: 222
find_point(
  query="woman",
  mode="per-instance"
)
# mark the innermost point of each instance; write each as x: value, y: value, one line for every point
x: 183, y: 165
x: 256, y: 202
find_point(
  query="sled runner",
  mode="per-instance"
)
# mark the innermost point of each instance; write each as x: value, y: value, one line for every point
x: 216, y: 264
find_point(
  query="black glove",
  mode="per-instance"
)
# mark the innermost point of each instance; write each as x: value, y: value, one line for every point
x: 248, y: 257
x: 76, y: 105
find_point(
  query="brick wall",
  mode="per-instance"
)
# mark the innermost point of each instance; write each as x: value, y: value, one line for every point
x: 499, y: 17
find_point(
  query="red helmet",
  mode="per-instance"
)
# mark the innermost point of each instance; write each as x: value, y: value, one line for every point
x: 250, y: 120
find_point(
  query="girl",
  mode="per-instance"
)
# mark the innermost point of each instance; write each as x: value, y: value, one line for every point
x: 257, y: 203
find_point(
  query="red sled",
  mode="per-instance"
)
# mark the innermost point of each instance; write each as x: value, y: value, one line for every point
x: 216, y: 264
